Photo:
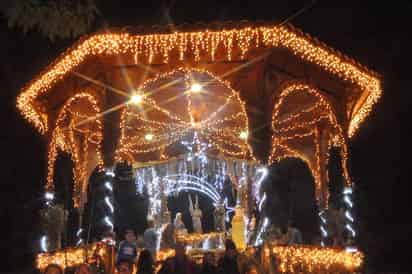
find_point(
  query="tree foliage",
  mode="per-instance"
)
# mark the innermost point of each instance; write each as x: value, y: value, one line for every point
x: 61, y: 19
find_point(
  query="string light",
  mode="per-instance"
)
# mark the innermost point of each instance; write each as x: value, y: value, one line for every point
x: 49, y: 196
x: 110, y: 173
x: 349, y: 216
x: 194, y: 238
x: 352, y: 231
x: 263, y: 171
x: 157, y: 118
x: 188, y: 45
x: 70, y: 257
x: 261, y: 202
x: 43, y: 243
x: 303, y: 126
x: 347, y: 193
x: 305, y: 259
x: 351, y: 249
x: 109, y: 204
x: 79, y: 236
x: 348, y: 201
x: 108, y: 222
x: 108, y: 185
x: 66, y: 138
x: 347, y: 190
x: 263, y: 228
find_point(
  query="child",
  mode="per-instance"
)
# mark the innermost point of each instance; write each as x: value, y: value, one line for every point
x: 127, y: 248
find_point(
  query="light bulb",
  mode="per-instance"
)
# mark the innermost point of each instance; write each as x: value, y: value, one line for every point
x: 195, y: 88
x: 136, y: 99
x: 243, y: 135
x: 149, y: 137
x: 49, y: 196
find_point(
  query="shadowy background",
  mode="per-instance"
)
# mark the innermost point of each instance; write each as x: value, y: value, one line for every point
x: 376, y: 33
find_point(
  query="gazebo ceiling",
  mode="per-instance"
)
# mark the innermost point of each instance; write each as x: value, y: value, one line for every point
x: 194, y: 47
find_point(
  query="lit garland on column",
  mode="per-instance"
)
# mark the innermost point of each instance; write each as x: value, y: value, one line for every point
x: 108, y: 200
x: 349, y: 220
x: 44, y: 242
x: 323, y: 225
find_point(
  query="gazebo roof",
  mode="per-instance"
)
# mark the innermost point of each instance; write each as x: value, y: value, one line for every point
x: 197, y: 43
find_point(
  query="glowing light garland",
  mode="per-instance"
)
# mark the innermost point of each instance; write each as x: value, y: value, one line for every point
x: 65, y: 137
x: 199, y: 46
x: 203, y: 46
x: 309, y: 259
x: 305, y: 126
x: 347, y: 195
x: 263, y: 228
x: 109, y: 204
x: 69, y: 257
x: 292, y: 259
x: 226, y: 134
x: 109, y: 222
x: 43, y: 243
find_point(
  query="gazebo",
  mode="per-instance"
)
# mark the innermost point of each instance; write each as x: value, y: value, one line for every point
x: 139, y: 95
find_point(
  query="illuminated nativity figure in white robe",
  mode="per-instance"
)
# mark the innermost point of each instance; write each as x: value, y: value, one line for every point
x: 180, y: 227
x: 196, y: 214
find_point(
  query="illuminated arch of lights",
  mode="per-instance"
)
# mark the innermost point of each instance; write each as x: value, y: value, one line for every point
x: 174, y: 184
x: 78, y: 140
x: 178, y: 182
x: 149, y: 124
x: 303, y: 124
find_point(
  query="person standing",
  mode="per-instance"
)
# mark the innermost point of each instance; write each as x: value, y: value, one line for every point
x: 228, y: 263
x: 294, y: 235
x: 127, y: 248
x: 178, y: 264
x: 145, y: 263
x: 208, y: 265
x: 150, y: 238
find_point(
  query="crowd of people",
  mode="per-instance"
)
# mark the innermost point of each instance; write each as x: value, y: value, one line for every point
x: 138, y: 255
x: 230, y: 262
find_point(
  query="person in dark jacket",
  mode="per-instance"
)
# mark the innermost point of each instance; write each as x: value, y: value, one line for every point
x: 145, y: 263
x: 228, y: 263
x: 209, y: 264
x: 178, y: 264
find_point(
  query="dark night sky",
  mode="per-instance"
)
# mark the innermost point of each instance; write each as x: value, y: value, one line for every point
x: 376, y: 34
